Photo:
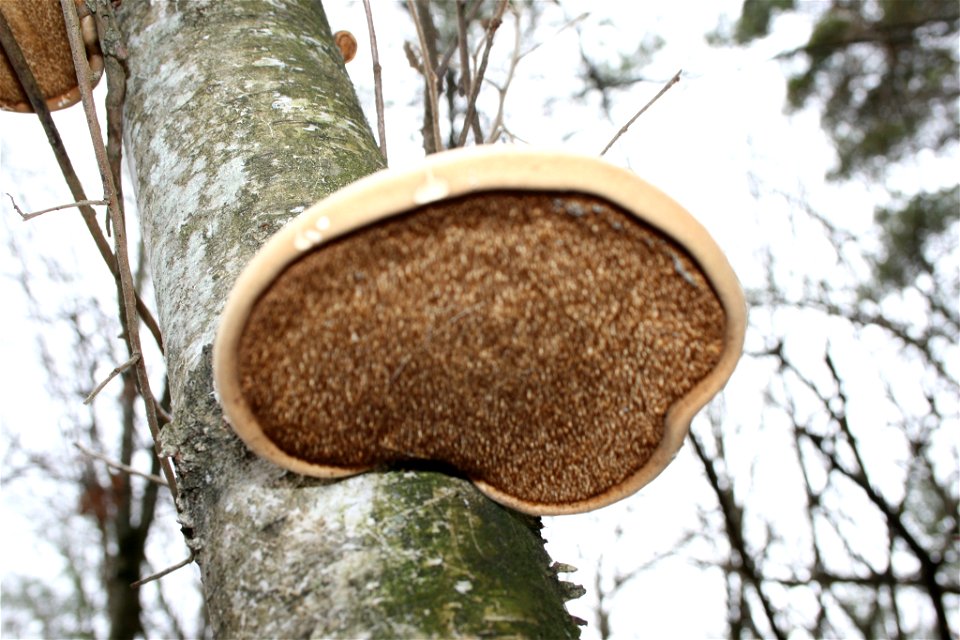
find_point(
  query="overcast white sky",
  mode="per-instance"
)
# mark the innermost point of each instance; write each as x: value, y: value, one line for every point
x: 722, y: 124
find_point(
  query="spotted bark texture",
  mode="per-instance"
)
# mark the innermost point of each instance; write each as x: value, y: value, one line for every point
x: 239, y: 115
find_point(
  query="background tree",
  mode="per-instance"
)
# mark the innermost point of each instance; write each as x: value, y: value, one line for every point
x: 857, y: 343
x: 878, y: 552
x: 100, y: 518
x: 108, y: 507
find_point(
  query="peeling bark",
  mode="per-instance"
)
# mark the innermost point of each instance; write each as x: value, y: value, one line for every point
x: 239, y: 115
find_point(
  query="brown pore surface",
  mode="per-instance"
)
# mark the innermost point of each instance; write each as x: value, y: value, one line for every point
x: 39, y: 30
x: 534, y: 341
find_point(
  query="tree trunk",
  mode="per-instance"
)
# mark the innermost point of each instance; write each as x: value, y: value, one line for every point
x: 239, y: 114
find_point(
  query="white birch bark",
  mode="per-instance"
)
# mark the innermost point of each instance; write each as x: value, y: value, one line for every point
x: 239, y: 115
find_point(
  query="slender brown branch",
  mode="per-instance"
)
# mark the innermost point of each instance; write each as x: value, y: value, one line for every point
x: 129, y: 312
x: 163, y: 414
x: 497, y: 125
x: 733, y: 521
x: 929, y: 566
x: 119, y: 466
x: 160, y: 574
x: 113, y: 374
x: 29, y: 83
x: 377, y: 81
x: 810, y: 512
x: 464, y: 53
x: 430, y: 74
x: 672, y: 81
x: 445, y: 59
x: 570, y: 23
x: 873, y: 580
x: 34, y: 214
x: 465, y: 84
x: 477, y: 82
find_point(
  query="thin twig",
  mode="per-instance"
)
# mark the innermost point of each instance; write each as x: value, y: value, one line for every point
x: 34, y: 214
x: 429, y: 73
x: 570, y: 23
x: 160, y: 574
x: 113, y: 374
x: 29, y: 83
x: 465, y: 84
x: 733, y: 521
x: 445, y: 59
x: 162, y: 413
x: 492, y: 27
x: 377, y: 81
x: 129, y: 312
x: 497, y: 125
x: 119, y: 466
x: 672, y: 81
x: 464, y: 53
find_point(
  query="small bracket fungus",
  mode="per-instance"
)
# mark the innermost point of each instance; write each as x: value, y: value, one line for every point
x: 347, y: 45
x: 548, y: 326
x: 41, y: 34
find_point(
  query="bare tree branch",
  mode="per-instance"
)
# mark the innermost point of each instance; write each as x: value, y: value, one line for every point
x: 454, y: 46
x: 167, y: 571
x: 477, y: 81
x: 672, y: 81
x: 733, y: 521
x: 929, y: 567
x: 377, y: 81
x: 113, y: 374
x: 34, y: 214
x: 464, y: 53
x: 120, y: 241
x: 429, y: 73
x: 119, y: 465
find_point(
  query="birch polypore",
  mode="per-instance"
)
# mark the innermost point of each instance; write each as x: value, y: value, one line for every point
x: 39, y: 31
x: 347, y: 45
x: 546, y: 324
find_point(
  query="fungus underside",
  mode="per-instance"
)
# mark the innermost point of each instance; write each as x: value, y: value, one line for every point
x: 533, y: 340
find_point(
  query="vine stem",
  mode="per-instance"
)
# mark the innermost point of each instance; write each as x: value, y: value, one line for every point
x: 111, y: 194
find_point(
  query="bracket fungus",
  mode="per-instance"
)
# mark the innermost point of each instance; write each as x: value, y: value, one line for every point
x: 545, y: 324
x: 347, y: 45
x: 40, y: 32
